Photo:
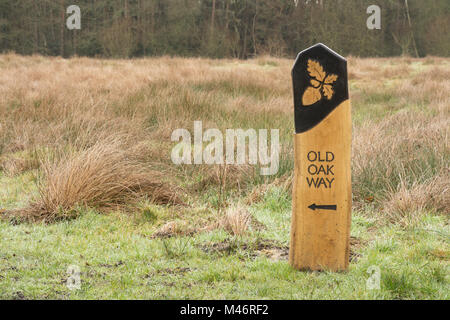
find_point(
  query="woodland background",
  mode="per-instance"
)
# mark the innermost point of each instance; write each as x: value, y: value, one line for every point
x: 223, y: 28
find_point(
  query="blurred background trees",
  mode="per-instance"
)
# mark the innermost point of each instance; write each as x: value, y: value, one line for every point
x: 224, y: 28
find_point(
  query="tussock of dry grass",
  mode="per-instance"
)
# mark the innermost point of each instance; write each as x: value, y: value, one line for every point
x: 102, y: 176
x: 237, y: 220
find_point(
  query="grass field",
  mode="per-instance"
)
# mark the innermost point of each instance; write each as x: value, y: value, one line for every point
x: 86, y: 179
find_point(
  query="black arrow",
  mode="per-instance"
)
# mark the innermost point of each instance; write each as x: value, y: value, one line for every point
x: 326, y: 207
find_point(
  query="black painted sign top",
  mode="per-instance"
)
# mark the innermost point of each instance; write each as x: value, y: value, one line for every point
x: 320, y: 85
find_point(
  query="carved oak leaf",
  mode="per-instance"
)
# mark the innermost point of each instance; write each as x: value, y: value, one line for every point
x: 331, y: 78
x: 328, y: 91
x: 315, y: 70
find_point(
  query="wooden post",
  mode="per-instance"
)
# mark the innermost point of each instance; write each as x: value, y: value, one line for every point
x: 322, y: 194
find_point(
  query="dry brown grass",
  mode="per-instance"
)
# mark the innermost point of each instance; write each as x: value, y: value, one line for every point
x: 401, y: 155
x: 407, y: 204
x: 67, y: 109
x: 12, y: 165
x: 237, y: 220
x: 224, y: 176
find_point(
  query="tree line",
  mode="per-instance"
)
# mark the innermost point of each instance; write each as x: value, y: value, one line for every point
x: 224, y: 28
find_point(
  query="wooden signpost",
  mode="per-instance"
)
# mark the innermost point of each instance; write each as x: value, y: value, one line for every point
x: 322, y: 194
